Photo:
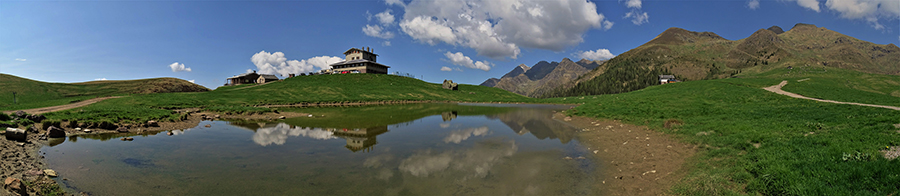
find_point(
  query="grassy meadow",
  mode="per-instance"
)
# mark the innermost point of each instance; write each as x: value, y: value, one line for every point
x: 756, y: 142
x: 342, y: 88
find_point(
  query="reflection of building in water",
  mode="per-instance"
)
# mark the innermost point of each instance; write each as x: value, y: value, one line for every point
x: 361, y: 139
x: 447, y: 116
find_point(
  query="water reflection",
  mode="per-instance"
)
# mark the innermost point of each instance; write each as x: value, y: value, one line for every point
x: 475, y: 162
x: 457, y: 136
x: 358, y: 139
x: 537, y: 122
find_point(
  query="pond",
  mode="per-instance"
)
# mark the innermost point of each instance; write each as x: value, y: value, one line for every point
x: 414, y: 149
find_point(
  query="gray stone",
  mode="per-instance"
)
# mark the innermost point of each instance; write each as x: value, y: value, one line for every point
x: 122, y: 129
x: 36, y: 117
x: 449, y: 84
x: 20, y: 114
x: 16, y: 134
x: 50, y: 172
x: 55, y: 132
x: 152, y: 123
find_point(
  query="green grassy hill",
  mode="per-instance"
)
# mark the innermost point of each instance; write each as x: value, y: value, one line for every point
x: 755, y: 142
x: 36, y: 94
x: 298, y: 90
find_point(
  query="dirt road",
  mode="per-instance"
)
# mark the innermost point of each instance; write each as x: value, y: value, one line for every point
x: 777, y: 89
x: 62, y: 107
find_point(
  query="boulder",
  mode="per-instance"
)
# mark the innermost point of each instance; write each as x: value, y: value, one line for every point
x: 449, y: 84
x: 122, y: 129
x: 216, y: 116
x: 36, y: 117
x: 152, y: 123
x: 55, y: 132
x: 15, y: 185
x: 50, y: 172
x: 16, y: 134
x: 87, y: 130
x: 281, y: 117
x: 32, y: 129
x: 20, y: 114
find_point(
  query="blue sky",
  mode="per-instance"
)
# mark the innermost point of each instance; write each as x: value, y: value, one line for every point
x: 467, y: 41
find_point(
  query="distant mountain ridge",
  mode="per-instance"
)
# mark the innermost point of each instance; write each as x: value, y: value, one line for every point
x: 543, y: 77
x: 705, y: 55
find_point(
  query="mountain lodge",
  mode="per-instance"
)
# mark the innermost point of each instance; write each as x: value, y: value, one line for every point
x: 665, y: 79
x: 250, y: 78
x: 361, y: 60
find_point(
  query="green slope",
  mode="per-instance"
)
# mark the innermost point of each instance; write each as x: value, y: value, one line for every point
x: 36, y: 94
x: 305, y: 89
x: 805, y: 147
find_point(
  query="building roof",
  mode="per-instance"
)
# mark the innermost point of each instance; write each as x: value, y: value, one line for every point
x: 358, y: 61
x: 267, y: 76
x: 666, y: 77
x: 352, y: 49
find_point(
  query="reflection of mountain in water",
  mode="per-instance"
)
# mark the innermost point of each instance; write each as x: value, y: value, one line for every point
x: 538, y: 122
x: 277, y: 133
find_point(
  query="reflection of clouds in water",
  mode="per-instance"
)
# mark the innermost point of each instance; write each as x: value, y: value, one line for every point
x: 477, y: 161
x: 378, y: 161
x: 463, y: 134
x: 444, y: 125
x: 279, y: 133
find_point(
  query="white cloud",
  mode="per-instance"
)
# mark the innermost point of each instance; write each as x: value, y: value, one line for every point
x: 395, y: 2
x: 753, y: 4
x: 458, y: 136
x: 177, y: 67
x: 445, y: 68
x: 869, y: 10
x: 637, y: 17
x: 279, y: 133
x: 385, y: 18
x: 462, y: 60
x: 386, y: 43
x: 498, y: 29
x: 21, y: 59
x: 809, y: 4
x: 276, y: 63
x: 599, y: 54
x: 100, y: 79
x: 633, y: 4
x: 377, y: 31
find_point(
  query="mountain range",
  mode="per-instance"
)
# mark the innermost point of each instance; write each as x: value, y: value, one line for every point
x: 693, y: 55
x: 542, y: 77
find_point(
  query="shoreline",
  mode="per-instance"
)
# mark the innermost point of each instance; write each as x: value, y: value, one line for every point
x: 633, y: 160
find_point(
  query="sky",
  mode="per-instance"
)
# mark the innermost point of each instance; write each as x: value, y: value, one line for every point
x: 467, y: 41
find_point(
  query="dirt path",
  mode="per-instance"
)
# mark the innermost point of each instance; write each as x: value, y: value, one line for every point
x: 777, y: 89
x: 634, y: 160
x: 63, y: 107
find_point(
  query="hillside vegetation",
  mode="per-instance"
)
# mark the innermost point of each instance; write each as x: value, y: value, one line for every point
x: 704, y: 55
x: 35, y: 94
x: 313, y: 89
x: 756, y: 142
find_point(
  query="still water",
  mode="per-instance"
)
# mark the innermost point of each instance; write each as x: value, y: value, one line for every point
x: 416, y: 149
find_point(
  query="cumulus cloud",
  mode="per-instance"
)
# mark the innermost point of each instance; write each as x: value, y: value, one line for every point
x: 278, y: 135
x: 753, y: 4
x: 276, y: 63
x: 869, y: 10
x: 458, y: 136
x: 21, y: 59
x: 395, y: 2
x: 178, y: 67
x: 637, y: 17
x: 100, y: 79
x: 498, y: 29
x: 385, y: 18
x: 809, y: 4
x: 377, y: 31
x: 599, y: 54
x: 633, y: 4
x: 462, y: 60
x: 445, y: 68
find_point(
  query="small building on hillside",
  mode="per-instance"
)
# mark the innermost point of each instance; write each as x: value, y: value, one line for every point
x: 250, y: 78
x: 359, y: 60
x: 665, y: 79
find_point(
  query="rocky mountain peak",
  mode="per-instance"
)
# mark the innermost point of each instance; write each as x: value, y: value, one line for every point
x: 776, y: 29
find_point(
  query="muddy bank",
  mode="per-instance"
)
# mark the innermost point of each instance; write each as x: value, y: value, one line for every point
x: 633, y: 160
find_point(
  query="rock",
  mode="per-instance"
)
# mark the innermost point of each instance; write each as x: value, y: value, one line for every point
x: 567, y: 119
x: 122, y: 129
x: 36, y: 117
x: 16, y: 134
x: 170, y: 133
x: 20, y: 114
x: 152, y: 123
x: 14, y: 184
x: 281, y: 117
x: 20, y: 144
x: 55, y: 132
x: 78, y: 129
x: 471, y: 93
x: 50, y: 172
x: 129, y: 139
x: 216, y: 116
x: 448, y: 84
x: 207, y: 125
x: 87, y: 130
x: 310, y: 116
x: 34, y: 172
